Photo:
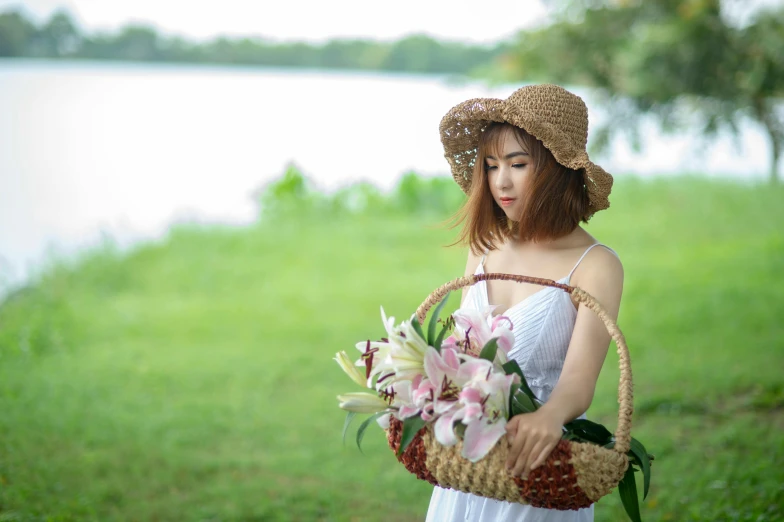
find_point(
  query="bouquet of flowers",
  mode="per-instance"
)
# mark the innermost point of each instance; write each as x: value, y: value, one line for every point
x: 456, y: 382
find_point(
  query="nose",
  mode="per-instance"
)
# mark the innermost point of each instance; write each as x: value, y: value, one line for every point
x: 503, y: 179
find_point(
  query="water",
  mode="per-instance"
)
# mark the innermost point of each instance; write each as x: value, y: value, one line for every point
x: 126, y: 149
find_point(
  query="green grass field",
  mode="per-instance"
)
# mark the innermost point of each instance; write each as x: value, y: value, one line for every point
x: 192, y: 379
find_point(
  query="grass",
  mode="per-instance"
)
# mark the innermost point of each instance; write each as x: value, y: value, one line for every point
x: 192, y: 379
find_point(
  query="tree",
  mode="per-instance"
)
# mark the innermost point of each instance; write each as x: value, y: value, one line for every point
x: 680, y: 60
x: 16, y: 34
x: 60, y: 36
x: 136, y: 43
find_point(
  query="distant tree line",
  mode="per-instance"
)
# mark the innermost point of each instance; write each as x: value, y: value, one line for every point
x: 59, y: 37
x: 687, y: 63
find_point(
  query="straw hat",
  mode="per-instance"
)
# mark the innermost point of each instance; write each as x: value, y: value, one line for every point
x: 553, y: 115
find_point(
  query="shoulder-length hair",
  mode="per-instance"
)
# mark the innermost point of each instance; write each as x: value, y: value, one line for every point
x: 555, y: 199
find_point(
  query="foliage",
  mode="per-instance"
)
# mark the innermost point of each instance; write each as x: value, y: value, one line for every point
x: 190, y: 379
x: 295, y: 193
x: 683, y: 61
x: 60, y: 38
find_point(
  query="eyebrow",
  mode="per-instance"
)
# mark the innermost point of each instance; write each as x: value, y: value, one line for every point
x: 510, y: 155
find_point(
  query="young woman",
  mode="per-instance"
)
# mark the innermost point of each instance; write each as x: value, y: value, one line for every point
x: 523, y: 163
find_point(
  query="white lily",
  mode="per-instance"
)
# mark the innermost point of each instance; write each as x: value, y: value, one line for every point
x: 406, y: 356
x: 361, y: 402
x: 351, y: 369
x: 374, y: 353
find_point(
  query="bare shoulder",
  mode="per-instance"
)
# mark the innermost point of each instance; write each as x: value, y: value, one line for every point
x: 472, y: 262
x: 601, y: 275
x: 601, y: 262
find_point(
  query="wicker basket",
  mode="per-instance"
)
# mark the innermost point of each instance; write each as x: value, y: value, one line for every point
x: 575, y: 474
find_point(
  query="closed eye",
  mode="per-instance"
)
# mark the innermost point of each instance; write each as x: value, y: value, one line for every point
x: 519, y: 165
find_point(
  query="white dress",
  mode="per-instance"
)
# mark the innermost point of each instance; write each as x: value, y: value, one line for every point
x: 543, y: 325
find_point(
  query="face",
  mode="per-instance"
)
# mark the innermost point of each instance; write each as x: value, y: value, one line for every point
x: 508, y: 168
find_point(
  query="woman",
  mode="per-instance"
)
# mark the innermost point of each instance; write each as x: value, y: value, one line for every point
x: 522, y: 161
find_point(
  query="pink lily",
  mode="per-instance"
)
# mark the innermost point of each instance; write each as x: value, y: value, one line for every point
x: 402, y: 399
x: 482, y: 433
x: 474, y: 328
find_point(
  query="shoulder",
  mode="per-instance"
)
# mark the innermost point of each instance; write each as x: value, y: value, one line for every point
x: 472, y: 262
x: 601, y: 274
x: 601, y: 261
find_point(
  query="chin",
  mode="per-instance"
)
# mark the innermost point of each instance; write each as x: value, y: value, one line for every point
x: 512, y: 215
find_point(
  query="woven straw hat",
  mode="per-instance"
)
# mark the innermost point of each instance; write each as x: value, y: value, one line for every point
x: 553, y: 115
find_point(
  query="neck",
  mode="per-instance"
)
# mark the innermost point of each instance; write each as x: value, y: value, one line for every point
x: 577, y: 235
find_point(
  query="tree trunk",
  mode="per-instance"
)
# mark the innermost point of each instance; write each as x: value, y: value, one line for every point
x: 775, y: 151
x: 775, y: 129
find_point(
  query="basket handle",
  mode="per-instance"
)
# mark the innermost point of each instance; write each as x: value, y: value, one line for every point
x: 625, y: 398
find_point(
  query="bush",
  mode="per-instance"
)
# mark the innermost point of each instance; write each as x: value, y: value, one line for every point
x: 414, y: 194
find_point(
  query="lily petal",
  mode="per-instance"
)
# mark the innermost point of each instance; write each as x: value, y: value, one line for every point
x: 361, y: 402
x: 480, y: 437
x: 383, y: 421
x: 444, y: 428
x: 351, y: 370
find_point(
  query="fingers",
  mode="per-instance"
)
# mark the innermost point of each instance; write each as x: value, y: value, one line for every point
x: 528, y: 451
x: 541, y: 452
x: 516, y: 445
x: 521, y: 465
x: 524, y: 443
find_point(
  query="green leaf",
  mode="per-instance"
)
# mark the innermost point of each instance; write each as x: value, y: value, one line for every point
x: 522, y: 403
x: 512, y: 367
x: 440, y: 338
x: 512, y: 390
x: 349, y: 417
x: 589, y: 431
x: 411, y: 427
x: 431, y: 327
x: 417, y: 327
x: 364, y: 425
x: 489, y: 350
x: 627, y: 488
x: 460, y: 429
x: 638, y: 450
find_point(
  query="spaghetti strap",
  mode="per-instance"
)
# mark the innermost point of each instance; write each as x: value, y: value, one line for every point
x: 484, y: 257
x: 569, y: 277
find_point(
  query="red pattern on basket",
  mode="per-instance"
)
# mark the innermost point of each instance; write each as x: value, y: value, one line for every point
x: 415, y: 456
x: 554, y: 486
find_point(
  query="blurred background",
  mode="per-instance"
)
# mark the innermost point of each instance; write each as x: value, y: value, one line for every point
x: 200, y: 204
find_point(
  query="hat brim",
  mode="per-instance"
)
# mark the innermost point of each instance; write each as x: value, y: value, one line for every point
x: 460, y: 131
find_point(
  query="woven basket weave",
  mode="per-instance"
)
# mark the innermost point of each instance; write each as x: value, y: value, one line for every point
x: 575, y: 474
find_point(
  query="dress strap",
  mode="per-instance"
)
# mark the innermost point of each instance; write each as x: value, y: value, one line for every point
x: 484, y: 257
x: 586, y: 253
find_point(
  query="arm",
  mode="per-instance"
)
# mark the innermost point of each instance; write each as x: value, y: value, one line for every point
x: 533, y: 436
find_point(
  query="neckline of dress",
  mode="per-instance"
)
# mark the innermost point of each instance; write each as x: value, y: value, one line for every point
x: 481, y: 270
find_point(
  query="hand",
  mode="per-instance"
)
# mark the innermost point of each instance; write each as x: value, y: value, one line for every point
x: 532, y: 437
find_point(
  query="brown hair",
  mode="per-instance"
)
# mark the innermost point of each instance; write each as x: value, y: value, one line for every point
x: 555, y: 202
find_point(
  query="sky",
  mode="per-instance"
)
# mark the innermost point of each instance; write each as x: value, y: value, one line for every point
x: 303, y: 20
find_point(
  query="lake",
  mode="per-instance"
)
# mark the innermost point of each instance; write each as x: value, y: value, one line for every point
x: 89, y: 149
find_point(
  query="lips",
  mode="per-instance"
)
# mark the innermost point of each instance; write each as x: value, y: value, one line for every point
x: 505, y: 202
